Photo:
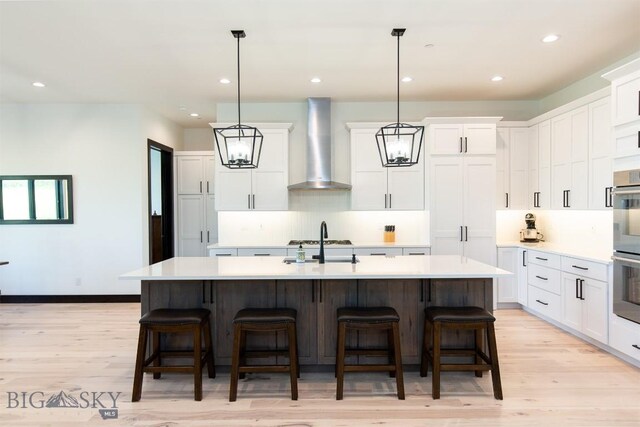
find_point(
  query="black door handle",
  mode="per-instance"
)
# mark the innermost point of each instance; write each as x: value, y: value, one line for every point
x: 542, y: 278
x: 461, y: 233
x: 465, y: 144
x: 577, y: 281
x: 543, y: 303
x: 466, y: 234
x: 581, y: 295
x: 506, y: 200
x: 524, y: 254
x: 461, y: 144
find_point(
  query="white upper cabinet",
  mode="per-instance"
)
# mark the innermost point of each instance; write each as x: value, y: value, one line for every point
x: 600, y: 159
x: 625, y: 93
x: 263, y: 188
x: 462, y: 138
x: 512, y: 168
x: 375, y: 187
x: 570, y: 158
x: 195, y: 173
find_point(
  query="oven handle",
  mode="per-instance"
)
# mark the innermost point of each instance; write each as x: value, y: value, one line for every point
x: 632, y: 261
x: 632, y: 191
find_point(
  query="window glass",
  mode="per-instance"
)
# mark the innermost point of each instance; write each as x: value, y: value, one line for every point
x: 15, y: 199
x: 46, y: 198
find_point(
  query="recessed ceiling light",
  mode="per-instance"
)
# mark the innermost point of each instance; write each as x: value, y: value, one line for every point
x: 225, y: 81
x: 38, y: 84
x: 407, y: 79
x: 497, y: 78
x: 550, y: 38
x: 194, y: 115
x: 315, y: 80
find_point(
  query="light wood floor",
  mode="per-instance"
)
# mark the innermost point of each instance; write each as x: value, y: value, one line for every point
x: 549, y: 379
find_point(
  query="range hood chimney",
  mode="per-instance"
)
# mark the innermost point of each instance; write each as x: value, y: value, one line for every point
x: 319, y: 148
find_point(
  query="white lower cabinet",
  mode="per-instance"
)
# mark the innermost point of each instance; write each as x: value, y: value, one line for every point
x: 262, y: 252
x: 378, y: 251
x: 546, y: 303
x: 584, y: 305
x: 507, y: 286
x: 624, y: 336
x: 522, y: 276
x: 223, y: 252
x: 416, y: 251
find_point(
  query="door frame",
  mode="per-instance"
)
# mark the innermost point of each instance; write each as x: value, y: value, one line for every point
x: 166, y: 176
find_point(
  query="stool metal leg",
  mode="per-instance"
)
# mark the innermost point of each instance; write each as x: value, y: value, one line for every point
x: 140, y: 358
x: 437, y: 331
x: 342, y: 331
x: 493, y: 355
x: 398, y: 360
x: 294, y: 369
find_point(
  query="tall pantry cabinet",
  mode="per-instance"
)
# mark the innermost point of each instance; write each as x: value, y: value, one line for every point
x: 462, y: 182
x: 196, y: 219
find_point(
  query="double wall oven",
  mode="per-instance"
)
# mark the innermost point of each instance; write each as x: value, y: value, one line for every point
x: 626, y: 245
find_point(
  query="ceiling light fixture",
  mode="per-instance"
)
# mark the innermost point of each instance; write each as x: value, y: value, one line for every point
x: 38, y: 84
x: 407, y: 79
x: 497, y: 78
x: 399, y: 143
x: 315, y: 80
x: 239, y: 145
x: 194, y: 115
x: 550, y: 38
x: 225, y: 81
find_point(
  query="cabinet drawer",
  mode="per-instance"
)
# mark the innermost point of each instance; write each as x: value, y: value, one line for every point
x: 378, y: 251
x: 544, y: 258
x: 544, y: 302
x: 223, y: 252
x: 262, y: 252
x: 594, y: 270
x: 545, y: 278
x: 416, y: 251
x: 624, y: 336
x: 311, y: 251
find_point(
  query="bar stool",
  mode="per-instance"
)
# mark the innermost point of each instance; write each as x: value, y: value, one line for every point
x: 171, y: 320
x: 474, y: 318
x: 369, y: 318
x: 263, y: 320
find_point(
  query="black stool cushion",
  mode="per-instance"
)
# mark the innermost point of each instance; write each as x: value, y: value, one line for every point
x: 458, y: 314
x: 368, y: 314
x: 175, y: 316
x: 265, y: 315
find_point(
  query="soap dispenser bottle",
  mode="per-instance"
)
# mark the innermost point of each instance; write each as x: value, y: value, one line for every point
x: 300, y: 255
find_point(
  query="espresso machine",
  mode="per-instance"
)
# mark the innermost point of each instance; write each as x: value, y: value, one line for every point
x: 530, y: 234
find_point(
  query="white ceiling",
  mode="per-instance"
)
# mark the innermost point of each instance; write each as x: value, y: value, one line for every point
x: 171, y: 54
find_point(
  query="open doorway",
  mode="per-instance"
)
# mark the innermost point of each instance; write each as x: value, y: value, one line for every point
x: 160, y: 211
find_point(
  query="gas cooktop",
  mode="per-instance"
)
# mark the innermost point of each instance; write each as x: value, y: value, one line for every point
x: 317, y: 242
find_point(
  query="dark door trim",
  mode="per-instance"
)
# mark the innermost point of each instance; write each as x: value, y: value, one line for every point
x: 166, y: 175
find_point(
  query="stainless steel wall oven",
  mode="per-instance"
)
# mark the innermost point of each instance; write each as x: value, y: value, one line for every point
x: 626, y: 245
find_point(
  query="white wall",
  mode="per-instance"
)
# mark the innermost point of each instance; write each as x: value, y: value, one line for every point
x: 198, y: 139
x: 104, y: 148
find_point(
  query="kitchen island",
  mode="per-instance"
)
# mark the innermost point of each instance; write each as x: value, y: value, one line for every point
x: 316, y: 291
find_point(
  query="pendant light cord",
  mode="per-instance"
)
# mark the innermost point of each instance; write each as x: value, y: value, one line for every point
x: 239, y: 84
x: 398, y: 81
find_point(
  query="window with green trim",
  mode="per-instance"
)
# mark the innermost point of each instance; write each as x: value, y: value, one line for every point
x: 36, y: 199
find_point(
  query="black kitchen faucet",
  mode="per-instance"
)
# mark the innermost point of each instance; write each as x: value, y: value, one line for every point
x: 323, y: 226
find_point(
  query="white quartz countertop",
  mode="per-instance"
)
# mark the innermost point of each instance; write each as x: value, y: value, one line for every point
x: 271, y: 268
x: 354, y: 245
x: 587, y: 253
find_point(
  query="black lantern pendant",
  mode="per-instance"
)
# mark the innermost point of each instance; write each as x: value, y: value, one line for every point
x: 239, y: 145
x: 399, y: 144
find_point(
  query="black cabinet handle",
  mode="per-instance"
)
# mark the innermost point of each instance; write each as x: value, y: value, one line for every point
x: 466, y: 234
x: 200, y: 236
x: 253, y: 197
x: 506, y: 202
x: 465, y: 144
x: 577, y: 282
x: 207, y: 236
x: 461, y: 233
x: 200, y: 186
x: 542, y: 278
x: 389, y: 200
x: 543, y: 303
x: 313, y: 291
x: 537, y: 195
x: 635, y: 346
x: 261, y: 254
x: 524, y: 255
x: 207, y: 187
x: 461, y: 144
x: 580, y: 268
x: 223, y: 254
x: 542, y: 259
x: 248, y: 201
x: 608, y: 197
x: 385, y: 200
x: 581, y: 294
x: 377, y: 253
x: 422, y: 290
x: 568, y: 201
x: 417, y: 253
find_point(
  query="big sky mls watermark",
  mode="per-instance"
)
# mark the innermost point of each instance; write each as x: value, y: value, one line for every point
x: 106, y: 402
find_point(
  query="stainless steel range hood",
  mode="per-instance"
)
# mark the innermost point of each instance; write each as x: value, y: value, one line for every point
x: 319, y: 148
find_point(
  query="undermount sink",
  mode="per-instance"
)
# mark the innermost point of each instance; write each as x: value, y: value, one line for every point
x: 328, y: 259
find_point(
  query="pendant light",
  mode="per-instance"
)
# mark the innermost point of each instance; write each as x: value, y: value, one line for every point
x: 399, y: 144
x: 239, y: 145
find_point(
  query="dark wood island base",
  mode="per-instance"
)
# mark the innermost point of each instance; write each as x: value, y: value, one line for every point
x: 316, y: 302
